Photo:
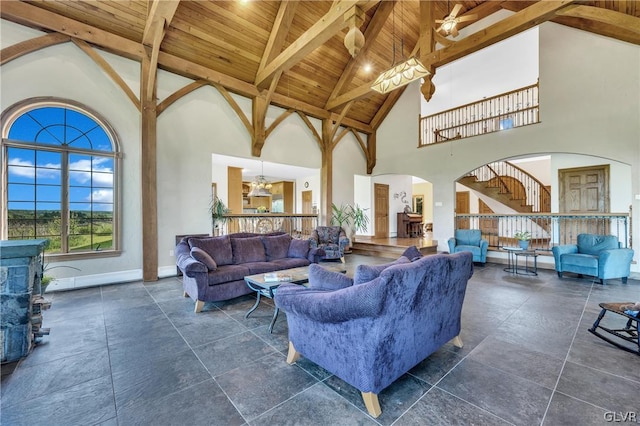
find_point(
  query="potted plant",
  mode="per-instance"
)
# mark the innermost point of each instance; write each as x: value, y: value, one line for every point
x: 523, y: 238
x: 341, y: 215
x: 218, y: 211
x: 359, y: 218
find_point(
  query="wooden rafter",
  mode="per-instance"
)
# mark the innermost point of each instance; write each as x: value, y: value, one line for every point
x: 179, y: 94
x: 234, y: 105
x: 277, y: 121
x: 33, y: 16
x: 17, y: 50
x: 371, y: 33
x: 313, y: 130
x: 314, y: 37
x: 108, y: 69
x: 338, y: 138
x: 611, y: 19
x: 520, y: 21
x: 338, y: 122
x: 160, y: 16
x: 279, y: 32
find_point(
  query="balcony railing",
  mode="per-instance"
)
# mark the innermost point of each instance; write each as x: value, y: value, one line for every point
x: 505, y: 111
x: 547, y: 230
x: 296, y: 225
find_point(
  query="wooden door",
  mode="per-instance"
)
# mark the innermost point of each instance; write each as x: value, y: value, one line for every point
x: 488, y: 226
x: 462, y: 207
x: 307, y: 208
x: 583, y: 190
x: 381, y: 213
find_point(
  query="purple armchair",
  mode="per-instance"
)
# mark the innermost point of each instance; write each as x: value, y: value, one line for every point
x: 372, y: 333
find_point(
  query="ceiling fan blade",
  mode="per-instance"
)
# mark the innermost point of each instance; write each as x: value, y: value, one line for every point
x: 456, y: 10
x: 439, y: 29
x: 464, y: 18
x: 439, y: 21
x: 454, y: 32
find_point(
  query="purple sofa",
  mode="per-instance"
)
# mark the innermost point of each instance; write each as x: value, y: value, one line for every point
x: 369, y: 333
x: 214, y: 268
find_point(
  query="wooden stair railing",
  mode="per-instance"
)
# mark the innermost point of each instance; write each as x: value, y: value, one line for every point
x: 511, y: 186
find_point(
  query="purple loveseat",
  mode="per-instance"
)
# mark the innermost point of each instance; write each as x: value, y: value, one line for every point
x: 214, y: 268
x: 369, y: 333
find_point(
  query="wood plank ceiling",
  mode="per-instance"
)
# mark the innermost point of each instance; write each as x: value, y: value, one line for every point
x: 232, y: 37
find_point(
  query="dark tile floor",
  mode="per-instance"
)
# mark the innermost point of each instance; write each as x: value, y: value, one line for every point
x: 137, y: 354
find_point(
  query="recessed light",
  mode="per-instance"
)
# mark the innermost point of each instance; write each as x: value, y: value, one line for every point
x: 367, y: 67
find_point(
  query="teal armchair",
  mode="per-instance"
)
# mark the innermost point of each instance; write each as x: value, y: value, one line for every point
x: 470, y: 240
x: 595, y: 255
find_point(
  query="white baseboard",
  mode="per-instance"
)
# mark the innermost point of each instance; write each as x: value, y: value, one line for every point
x: 61, y: 284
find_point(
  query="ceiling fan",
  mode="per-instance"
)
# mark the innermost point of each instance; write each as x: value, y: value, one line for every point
x: 448, y: 25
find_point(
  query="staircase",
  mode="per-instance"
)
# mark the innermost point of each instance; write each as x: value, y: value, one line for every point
x: 511, y: 186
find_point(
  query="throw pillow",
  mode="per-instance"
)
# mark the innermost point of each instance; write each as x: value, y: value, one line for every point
x: 412, y: 253
x: 247, y: 250
x: 366, y: 273
x: 298, y: 249
x: 323, y: 279
x: 276, y: 246
x: 203, y: 257
x: 219, y: 248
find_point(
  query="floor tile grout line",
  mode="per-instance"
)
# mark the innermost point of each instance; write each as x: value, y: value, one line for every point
x: 106, y: 336
x: 566, y: 358
x: 197, y: 357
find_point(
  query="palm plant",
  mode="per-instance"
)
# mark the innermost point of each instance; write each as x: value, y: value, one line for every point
x: 360, y: 218
x: 341, y: 215
x: 218, y: 211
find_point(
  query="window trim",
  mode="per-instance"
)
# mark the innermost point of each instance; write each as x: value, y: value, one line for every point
x: 10, y: 115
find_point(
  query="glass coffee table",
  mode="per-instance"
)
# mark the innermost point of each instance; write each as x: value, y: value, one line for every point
x: 265, y: 285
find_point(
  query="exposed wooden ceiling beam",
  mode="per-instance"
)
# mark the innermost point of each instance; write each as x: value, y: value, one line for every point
x: 17, y: 50
x: 527, y: 18
x: 373, y: 29
x: 160, y: 16
x: 35, y: 17
x: 279, y: 32
x: 608, y: 17
x: 332, y: 22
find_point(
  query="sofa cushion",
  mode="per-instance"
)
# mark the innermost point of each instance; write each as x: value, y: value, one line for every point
x: 247, y: 250
x: 366, y: 273
x: 219, y: 248
x: 581, y: 260
x: 228, y: 273
x: 298, y: 249
x: 276, y: 246
x: 323, y: 279
x: 473, y: 249
x: 203, y: 257
x: 260, y: 267
x: 594, y: 244
x: 289, y: 262
x: 412, y: 253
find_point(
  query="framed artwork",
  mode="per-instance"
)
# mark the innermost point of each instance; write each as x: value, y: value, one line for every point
x: 418, y: 201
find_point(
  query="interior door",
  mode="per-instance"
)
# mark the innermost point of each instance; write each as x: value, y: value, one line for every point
x: 307, y: 208
x: 462, y: 207
x: 381, y: 206
x: 583, y: 190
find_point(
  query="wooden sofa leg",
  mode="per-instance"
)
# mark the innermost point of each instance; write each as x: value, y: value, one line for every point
x: 457, y: 342
x: 342, y: 259
x: 185, y: 294
x: 293, y: 355
x: 371, y: 402
x: 199, y: 306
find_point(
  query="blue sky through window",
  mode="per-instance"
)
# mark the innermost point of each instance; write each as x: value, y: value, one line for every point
x: 35, y: 177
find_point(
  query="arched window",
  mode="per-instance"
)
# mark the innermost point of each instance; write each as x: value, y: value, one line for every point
x: 60, y: 163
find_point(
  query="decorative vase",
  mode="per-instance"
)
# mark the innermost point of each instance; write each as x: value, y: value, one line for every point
x: 524, y: 244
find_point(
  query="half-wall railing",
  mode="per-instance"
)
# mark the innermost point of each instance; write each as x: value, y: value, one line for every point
x: 505, y: 111
x: 547, y: 230
x: 296, y: 225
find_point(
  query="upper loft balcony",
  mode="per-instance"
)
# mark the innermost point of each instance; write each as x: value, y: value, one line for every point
x: 516, y: 108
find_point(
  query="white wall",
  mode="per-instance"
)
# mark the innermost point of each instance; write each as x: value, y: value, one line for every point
x: 64, y: 71
x: 589, y: 99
